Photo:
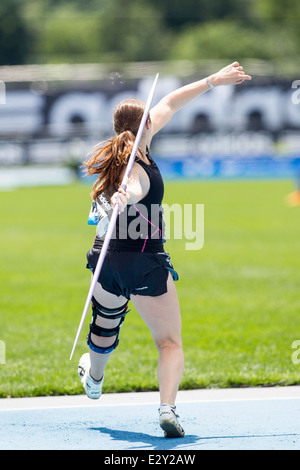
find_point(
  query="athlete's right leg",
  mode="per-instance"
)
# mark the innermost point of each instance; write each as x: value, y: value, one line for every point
x: 102, y: 350
x: 108, y: 314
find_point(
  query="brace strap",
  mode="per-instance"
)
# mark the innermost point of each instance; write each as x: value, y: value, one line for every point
x: 100, y: 331
x: 111, y: 314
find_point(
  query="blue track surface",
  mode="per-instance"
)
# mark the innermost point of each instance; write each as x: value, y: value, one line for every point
x: 236, y: 423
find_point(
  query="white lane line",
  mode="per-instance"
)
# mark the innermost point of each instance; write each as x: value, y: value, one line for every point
x: 150, y: 398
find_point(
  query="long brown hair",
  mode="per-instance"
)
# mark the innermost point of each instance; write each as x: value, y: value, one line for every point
x: 109, y: 157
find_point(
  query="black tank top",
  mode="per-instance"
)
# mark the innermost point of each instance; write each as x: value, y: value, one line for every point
x: 140, y: 227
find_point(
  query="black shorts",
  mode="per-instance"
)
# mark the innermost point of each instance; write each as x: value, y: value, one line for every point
x: 125, y: 273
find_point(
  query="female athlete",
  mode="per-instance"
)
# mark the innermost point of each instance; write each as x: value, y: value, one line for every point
x: 136, y: 267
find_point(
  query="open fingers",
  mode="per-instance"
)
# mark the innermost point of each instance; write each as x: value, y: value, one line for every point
x: 242, y: 76
x: 234, y: 64
x: 239, y: 74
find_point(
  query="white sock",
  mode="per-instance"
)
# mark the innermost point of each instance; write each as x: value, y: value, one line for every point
x: 167, y: 404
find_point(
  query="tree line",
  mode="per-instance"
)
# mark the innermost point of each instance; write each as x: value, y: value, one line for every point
x: 76, y: 31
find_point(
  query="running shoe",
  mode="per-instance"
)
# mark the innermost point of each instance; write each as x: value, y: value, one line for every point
x: 93, y: 388
x: 168, y: 421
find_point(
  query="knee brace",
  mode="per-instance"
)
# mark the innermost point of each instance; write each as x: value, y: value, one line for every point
x: 111, y: 314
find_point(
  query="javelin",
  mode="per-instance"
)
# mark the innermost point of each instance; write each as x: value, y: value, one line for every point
x: 115, y: 212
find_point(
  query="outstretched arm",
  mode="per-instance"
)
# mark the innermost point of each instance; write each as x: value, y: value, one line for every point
x: 161, y: 114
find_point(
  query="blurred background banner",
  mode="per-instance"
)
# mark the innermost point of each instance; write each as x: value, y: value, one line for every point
x: 63, y: 68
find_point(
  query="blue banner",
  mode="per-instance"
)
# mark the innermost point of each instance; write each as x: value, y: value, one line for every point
x: 226, y: 167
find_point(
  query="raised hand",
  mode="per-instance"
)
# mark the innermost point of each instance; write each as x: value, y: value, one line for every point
x: 232, y: 74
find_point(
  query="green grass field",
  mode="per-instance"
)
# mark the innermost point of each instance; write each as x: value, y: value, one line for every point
x: 239, y: 294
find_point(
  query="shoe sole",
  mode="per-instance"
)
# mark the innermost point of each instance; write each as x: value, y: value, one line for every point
x: 171, y: 430
x: 83, y: 365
